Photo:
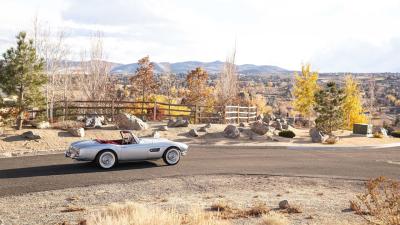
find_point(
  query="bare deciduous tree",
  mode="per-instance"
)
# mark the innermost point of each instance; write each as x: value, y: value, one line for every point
x: 94, y: 81
x: 50, y: 44
x: 228, y: 85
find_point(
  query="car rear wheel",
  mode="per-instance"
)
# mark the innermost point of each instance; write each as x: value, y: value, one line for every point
x: 106, y: 159
x: 172, y: 156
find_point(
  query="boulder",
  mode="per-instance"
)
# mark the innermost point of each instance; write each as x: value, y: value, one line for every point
x: 95, y: 121
x: 77, y: 132
x: 260, y: 117
x: 259, y: 128
x: 208, y: 125
x: 331, y: 140
x: 202, y: 129
x: 316, y: 135
x: 163, y: 128
x: 266, y: 119
x: 284, y: 204
x: 193, y: 133
x: 41, y: 125
x: 231, y: 131
x: 156, y: 134
x: 241, y: 124
x: 277, y: 125
x: 30, y: 135
x: 178, y: 123
x: 130, y: 122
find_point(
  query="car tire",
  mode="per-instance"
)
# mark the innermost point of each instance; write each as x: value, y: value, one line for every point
x: 172, y: 156
x: 106, y: 159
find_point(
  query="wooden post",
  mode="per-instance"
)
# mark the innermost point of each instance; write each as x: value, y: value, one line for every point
x: 155, y: 111
x: 248, y: 113
x: 238, y: 114
x: 65, y: 109
x: 224, y: 114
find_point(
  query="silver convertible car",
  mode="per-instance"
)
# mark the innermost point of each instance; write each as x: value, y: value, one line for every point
x: 107, y: 153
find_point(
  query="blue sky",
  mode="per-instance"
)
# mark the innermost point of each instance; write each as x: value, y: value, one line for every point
x: 333, y: 35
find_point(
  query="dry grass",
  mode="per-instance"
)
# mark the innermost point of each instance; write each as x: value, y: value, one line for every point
x: 274, y: 218
x: 380, y: 204
x: 227, y: 211
x: 135, y: 214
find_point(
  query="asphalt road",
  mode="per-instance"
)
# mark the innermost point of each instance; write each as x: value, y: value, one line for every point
x: 49, y: 172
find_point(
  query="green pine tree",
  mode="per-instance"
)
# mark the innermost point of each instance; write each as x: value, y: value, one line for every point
x: 22, y: 74
x: 329, y: 108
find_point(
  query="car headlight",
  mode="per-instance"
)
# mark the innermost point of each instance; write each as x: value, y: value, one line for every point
x: 74, y: 152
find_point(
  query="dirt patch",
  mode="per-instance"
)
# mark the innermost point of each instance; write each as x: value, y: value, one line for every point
x: 255, y: 194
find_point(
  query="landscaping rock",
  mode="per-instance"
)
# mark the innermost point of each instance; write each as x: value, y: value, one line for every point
x: 156, y: 134
x: 277, y: 125
x: 178, y: 123
x: 193, y: 133
x: 77, y: 132
x: 41, y: 125
x: 231, y: 131
x: 163, y: 128
x: 331, y: 140
x: 266, y: 119
x: 95, y: 121
x: 203, y: 129
x: 30, y: 135
x: 208, y: 125
x: 260, y: 117
x: 130, y: 122
x: 259, y: 128
x: 241, y: 124
x: 316, y: 135
x: 284, y: 204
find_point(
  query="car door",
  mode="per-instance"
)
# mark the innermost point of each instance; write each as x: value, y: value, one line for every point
x: 136, y: 151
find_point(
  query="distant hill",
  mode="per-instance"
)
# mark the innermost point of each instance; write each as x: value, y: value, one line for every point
x: 211, y: 67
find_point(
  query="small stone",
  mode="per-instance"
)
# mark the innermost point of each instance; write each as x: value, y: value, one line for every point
x: 164, y: 128
x: 77, y: 132
x: 231, y: 131
x: 30, y: 135
x: 193, y: 133
x: 208, y: 125
x: 42, y: 125
x: 241, y: 124
x: 203, y: 129
x: 284, y: 204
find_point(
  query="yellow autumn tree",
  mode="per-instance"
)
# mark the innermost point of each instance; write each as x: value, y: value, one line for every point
x: 352, y: 106
x: 198, y: 91
x: 304, y: 91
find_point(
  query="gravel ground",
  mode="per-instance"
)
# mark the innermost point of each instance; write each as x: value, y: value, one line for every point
x: 322, y: 199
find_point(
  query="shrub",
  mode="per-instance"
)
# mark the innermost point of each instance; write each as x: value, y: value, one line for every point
x: 396, y: 133
x: 287, y: 134
x: 274, y: 219
x: 380, y: 204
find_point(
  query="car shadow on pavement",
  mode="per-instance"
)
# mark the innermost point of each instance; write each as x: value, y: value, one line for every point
x: 72, y: 168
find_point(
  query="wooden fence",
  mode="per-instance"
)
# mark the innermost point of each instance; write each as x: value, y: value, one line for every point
x: 152, y: 111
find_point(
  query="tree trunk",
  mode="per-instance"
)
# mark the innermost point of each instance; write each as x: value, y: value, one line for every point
x: 20, y: 118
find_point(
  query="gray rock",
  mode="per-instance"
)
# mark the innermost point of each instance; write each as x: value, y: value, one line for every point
x: 241, y: 124
x: 266, y: 119
x: 260, y: 117
x: 30, y: 135
x: 193, y: 133
x: 202, y: 129
x: 77, y: 132
x: 277, y: 125
x: 231, y: 131
x: 178, y: 123
x: 156, y: 134
x: 317, y: 136
x: 284, y: 204
x: 208, y: 125
x: 163, y: 128
x: 259, y: 128
x: 95, y: 121
x: 130, y: 122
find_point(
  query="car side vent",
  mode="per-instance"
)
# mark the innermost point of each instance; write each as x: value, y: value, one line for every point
x: 155, y: 150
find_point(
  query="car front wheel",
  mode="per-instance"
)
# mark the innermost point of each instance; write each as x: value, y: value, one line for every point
x: 106, y: 159
x: 172, y: 156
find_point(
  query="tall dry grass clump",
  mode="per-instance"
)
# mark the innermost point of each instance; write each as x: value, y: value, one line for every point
x: 380, y: 204
x: 135, y: 214
x: 274, y: 218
